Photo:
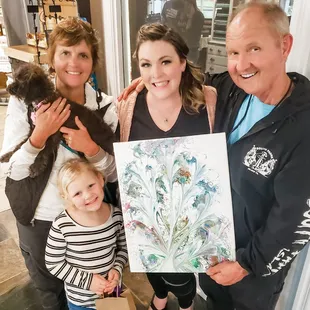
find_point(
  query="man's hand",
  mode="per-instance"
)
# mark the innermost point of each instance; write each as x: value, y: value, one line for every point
x: 227, y: 273
x: 98, y: 284
x: 136, y: 84
x: 113, y: 281
x: 79, y: 139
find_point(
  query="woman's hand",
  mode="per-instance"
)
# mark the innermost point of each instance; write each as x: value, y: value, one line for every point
x: 136, y: 84
x: 49, y: 118
x: 79, y: 139
x: 113, y: 281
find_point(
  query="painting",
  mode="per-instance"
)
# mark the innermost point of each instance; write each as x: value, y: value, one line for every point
x: 176, y: 203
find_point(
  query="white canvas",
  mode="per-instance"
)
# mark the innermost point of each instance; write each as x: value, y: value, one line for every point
x: 176, y: 203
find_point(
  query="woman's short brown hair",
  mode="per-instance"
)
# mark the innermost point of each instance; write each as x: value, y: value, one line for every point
x: 72, y: 31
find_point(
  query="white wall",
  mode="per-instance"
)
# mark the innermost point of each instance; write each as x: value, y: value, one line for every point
x: 106, y: 18
x: 297, y: 290
x: 15, y: 18
x: 299, y: 59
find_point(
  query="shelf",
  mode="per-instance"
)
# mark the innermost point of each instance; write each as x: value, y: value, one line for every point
x: 26, y: 53
x: 61, y: 3
x: 220, y: 32
x: 220, y: 22
x: 222, y: 15
x: 221, y: 5
x: 222, y: 9
x: 220, y: 42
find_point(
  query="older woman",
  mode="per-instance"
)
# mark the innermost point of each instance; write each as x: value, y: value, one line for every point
x: 73, y: 56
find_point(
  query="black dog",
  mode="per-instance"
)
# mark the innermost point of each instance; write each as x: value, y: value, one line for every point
x: 33, y: 86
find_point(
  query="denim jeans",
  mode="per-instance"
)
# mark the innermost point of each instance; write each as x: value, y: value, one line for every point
x: 75, y: 307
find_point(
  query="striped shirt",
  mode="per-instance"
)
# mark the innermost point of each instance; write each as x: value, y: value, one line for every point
x: 74, y: 253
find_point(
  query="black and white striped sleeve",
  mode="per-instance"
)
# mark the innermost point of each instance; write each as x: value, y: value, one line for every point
x: 56, y: 263
x: 121, y: 246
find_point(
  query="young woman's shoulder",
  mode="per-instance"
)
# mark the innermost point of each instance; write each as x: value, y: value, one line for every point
x: 128, y: 104
x: 125, y: 110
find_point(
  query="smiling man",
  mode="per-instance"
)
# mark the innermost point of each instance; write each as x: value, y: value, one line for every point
x: 265, y: 113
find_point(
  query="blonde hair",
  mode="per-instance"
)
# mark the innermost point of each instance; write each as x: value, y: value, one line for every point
x: 273, y: 14
x: 70, y: 171
x: 72, y: 31
x: 191, y: 89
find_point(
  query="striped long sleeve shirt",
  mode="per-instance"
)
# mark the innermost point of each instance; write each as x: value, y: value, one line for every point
x: 74, y: 253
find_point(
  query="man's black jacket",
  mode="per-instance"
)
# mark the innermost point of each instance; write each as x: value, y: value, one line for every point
x: 270, y: 177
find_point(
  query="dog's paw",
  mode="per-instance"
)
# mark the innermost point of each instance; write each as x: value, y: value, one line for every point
x: 34, y: 171
x: 5, y: 158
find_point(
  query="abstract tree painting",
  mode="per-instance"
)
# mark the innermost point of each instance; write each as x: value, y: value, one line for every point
x: 176, y: 203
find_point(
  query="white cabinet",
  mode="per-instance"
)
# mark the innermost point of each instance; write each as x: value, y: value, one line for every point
x: 216, y: 58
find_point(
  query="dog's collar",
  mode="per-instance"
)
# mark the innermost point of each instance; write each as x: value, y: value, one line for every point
x: 68, y: 147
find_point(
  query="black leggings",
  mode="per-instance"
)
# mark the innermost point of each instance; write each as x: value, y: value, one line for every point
x: 32, y: 241
x: 182, y: 285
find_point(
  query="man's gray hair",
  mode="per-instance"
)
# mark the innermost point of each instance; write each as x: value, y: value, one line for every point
x: 273, y: 14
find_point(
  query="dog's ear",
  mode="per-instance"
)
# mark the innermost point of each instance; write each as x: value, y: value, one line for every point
x: 30, y: 84
x: 19, y: 87
x: 12, y: 89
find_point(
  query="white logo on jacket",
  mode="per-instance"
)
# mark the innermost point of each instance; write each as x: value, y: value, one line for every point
x: 260, y: 161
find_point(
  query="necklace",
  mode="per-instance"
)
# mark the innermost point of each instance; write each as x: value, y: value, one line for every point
x: 285, y: 95
x: 164, y: 118
x: 160, y: 113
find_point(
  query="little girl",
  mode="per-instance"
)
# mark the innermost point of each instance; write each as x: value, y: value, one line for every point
x: 86, y: 246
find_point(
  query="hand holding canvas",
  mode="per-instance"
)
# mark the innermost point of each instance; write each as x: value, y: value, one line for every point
x: 227, y: 273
